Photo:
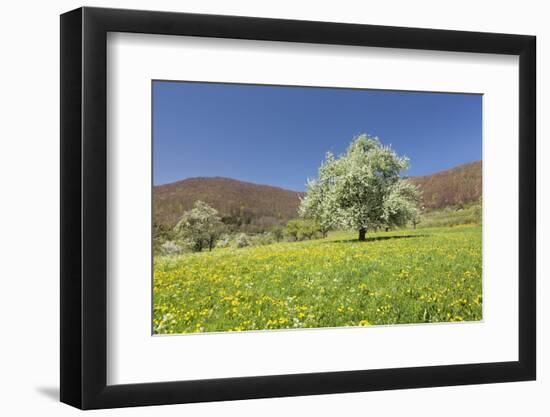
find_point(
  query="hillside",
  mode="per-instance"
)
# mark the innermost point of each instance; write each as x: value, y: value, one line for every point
x: 252, y: 207
x: 240, y: 203
x: 461, y: 184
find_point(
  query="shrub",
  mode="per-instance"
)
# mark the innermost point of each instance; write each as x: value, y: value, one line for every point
x: 225, y: 241
x: 242, y: 240
x: 170, y: 248
x: 261, y: 239
x: 301, y: 229
x: 278, y: 233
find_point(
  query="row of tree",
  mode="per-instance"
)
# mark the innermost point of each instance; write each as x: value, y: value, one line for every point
x: 202, y: 228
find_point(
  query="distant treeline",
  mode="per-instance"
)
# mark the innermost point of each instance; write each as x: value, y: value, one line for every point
x: 242, y: 206
x: 251, y: 208
x: 455, y: 186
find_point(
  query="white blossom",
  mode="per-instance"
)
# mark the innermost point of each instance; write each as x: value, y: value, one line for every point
x: 361, y: 189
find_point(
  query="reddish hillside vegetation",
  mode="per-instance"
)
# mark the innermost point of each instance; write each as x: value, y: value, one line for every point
x: 239, y: 202
x: 255, y: 207
x: 461, y: 184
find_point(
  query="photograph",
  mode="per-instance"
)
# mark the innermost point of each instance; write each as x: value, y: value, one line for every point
x: 279, y: 207
x: 275, y: 205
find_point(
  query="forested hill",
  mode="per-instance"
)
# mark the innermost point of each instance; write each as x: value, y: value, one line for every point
x: 461, y: 184
x: 238, y: 202
x: 255, y: 207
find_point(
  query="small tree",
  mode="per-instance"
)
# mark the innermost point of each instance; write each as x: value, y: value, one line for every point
x: 292, y: 229
x: 200, y: 227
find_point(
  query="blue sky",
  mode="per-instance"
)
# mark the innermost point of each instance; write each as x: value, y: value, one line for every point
x: 279, y: 135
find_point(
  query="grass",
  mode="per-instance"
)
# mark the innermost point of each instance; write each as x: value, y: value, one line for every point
x: 408, y: 276
x: 450, y: 216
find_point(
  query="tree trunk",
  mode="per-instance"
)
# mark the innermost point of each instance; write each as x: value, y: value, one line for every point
x: 362, y: 233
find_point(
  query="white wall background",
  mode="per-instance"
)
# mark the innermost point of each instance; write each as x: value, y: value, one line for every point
x: 29, y: 226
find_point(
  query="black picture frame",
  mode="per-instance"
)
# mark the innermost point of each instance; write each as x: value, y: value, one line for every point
x: 84, y: 207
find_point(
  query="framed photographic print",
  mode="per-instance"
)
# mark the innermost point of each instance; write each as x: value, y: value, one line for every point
x: 257, y: 207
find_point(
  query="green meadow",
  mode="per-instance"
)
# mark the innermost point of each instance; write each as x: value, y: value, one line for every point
x: 425, y: 275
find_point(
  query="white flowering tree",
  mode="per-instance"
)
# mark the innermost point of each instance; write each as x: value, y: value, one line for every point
x: 361, y: 189
x: 199, y: 227
x: 318, y: 204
